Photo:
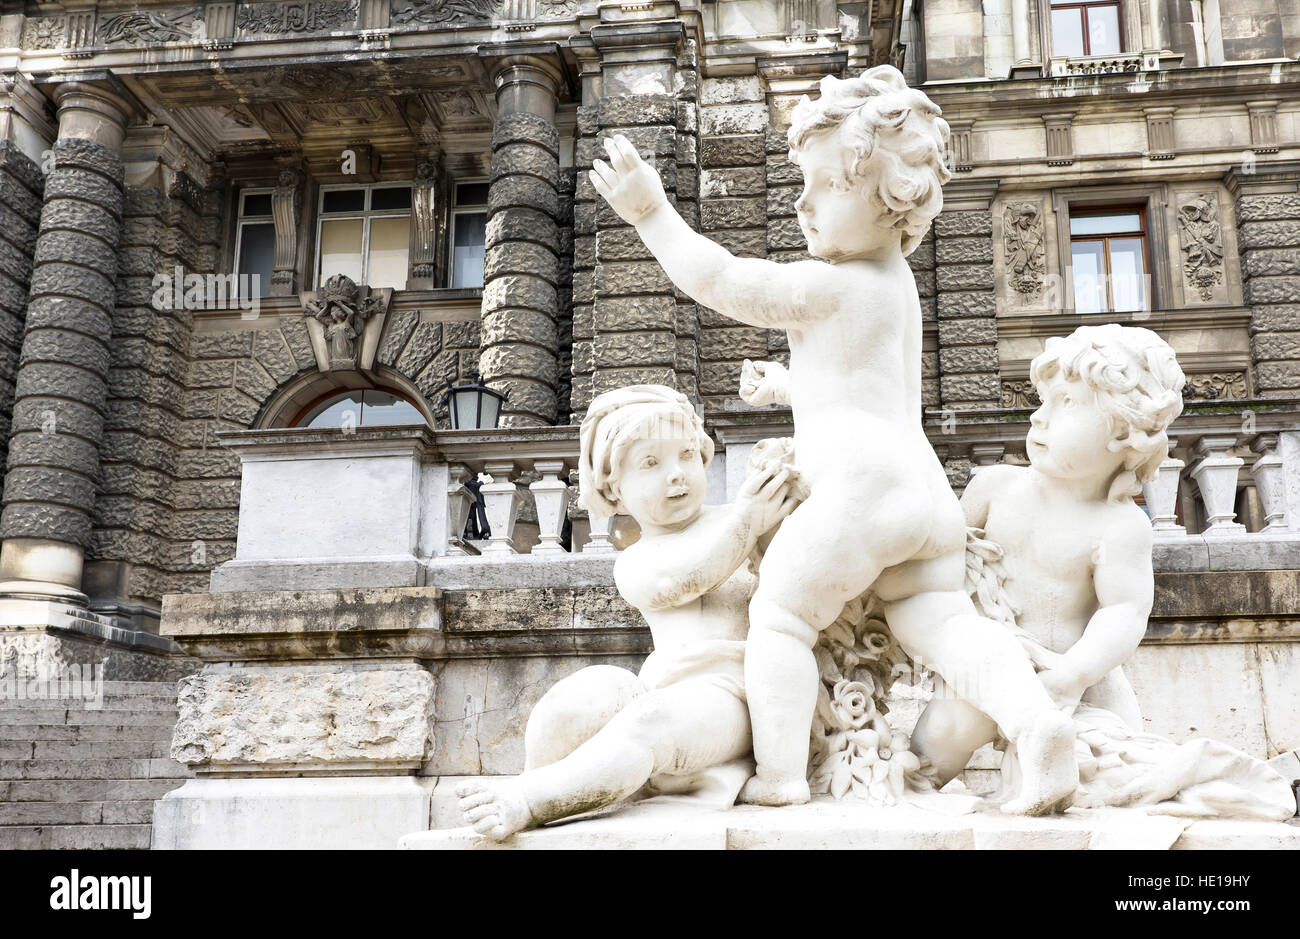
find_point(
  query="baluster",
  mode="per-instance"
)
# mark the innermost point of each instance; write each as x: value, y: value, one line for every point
x: 459, y: 502
x: 599, y: 543
x: 1270, y: 481
x: 1216, y: 478
x: 1161, y: 496
x: 985, y: 454
x: 501, y: 502
x: 551, y: 495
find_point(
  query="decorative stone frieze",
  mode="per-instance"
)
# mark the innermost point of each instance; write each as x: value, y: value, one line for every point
x: 148, y: 27
x: 311, y: 16
x: 439, y: 12
x: 1215, y: 385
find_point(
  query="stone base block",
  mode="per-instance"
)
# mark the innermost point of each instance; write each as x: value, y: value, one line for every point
x: 317, y: 574
x: 940, y: 822
x: 362, y: 812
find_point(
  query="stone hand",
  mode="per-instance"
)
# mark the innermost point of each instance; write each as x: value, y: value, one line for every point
x: 629, y: 185
x: 1064, y: 687
x: 766, y: 497
x: 763, y: 383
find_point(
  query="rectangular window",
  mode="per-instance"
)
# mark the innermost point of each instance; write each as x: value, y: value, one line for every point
x: 468, y: 234
x: 1086, y: 27
x: 255, y: 241
x: 364, y: 233
x: 1108, y: 260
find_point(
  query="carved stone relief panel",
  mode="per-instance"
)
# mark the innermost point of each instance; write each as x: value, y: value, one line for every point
x: 1024, y: 250
x: 1200, y: 240
x: 312, y: 16
x: 1214, y: 386
x: 152, y: 27
x: 415, y: 13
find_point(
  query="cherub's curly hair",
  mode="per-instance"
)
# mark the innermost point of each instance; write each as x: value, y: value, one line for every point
x: 1139, y: 386
x: 881, y: 115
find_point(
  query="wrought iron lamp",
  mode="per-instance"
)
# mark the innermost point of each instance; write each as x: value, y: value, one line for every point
x: 472, y: 405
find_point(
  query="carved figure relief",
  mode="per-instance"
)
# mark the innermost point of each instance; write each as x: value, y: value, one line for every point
x: 142, y: 28
x: 1022, y: 242
x: 338, y: 315
x: 1215, y: 386
x: 1201, y: 237
x: 310, y: 17
x: 435, y: 12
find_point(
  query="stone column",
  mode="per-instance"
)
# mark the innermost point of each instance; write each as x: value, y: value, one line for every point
x: 1268, y: 237
x: 1020, y: 32
x: 519, y: 344
x: 967, y: 297
x: 630, y: 325
x: 60, y: 388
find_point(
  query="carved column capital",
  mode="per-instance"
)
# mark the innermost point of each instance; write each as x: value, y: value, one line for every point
x: 92, y: 112
x: 285, y: 199
x: 526, y: 83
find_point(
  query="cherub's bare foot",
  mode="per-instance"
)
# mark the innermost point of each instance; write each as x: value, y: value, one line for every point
x: 1050, y: 773
x: 775, y: 791
x: 497, y: 809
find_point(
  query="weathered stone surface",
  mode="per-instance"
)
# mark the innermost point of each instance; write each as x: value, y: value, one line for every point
x: 72, y: 281
x: 968, y: 332
x: 1272, y: 376
x: 953, y: 224
x: 517, y: 291
x: 525, y: 158
x: 1282, y: 316
x: 521, y: 361
x: 733, y: 181
x: 518, y: 325
x: 522, y: 127
x: 424, y: 344
x: 521, y: 258
x: 1277, y: 345
x: 970, y: 388
x: 631, y: 313
x: 733, y: 343
x: 526, y: 192
x: 1263, y: 262
x: 74, y: 153
x: 964, y: 251
x: 743, y: 242
x: 85, y: 187
x: 635, y: 110
x: 968, y: 359
x: 950, y: 277
x: 633, y: 349
x: 624, y: 278
x: 609, y: 379
x: 295, y: 336
x: 785, y: 233
x: 967, y: 304
x: 56, y: 345
x: 268, y: 717
x: 620, y: 244
x: 733, y: 119
x: 736, y: 150
x: 1280, y: 289
x: 781, y: 200
x: 721, y: 214
x: 523, y: 224
x: 1268, y: 207
x: 1285, y: 234
x: 739, y: 89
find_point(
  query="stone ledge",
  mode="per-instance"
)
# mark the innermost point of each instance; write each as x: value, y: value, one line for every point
x: 673, y: 823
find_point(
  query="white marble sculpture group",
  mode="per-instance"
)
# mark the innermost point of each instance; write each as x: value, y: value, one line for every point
x: 1025, y: 597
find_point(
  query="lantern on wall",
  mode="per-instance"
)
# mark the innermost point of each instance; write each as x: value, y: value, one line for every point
x: 472, y: 405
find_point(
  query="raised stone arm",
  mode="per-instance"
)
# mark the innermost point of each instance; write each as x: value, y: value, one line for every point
x: 749, y: 290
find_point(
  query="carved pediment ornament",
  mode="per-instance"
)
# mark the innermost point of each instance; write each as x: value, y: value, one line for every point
x: 344, y: 321
x: 308, y: 17
x: 1201, y: 239
x: 144, y: 28
x: 1024, y: 247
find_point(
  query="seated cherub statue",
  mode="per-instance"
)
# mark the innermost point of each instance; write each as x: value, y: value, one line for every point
x: 1061, y: 553
x: 605, y: 734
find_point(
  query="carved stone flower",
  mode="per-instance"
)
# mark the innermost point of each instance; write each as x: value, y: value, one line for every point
x: 851, y: 704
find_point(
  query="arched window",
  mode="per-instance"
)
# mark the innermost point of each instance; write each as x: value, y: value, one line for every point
x: 360, y: 407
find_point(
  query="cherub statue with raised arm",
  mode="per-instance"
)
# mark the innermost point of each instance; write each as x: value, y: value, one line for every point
x: 881, y: 514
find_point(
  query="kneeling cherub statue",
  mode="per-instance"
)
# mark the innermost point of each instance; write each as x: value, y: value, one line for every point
x: 605, y: 734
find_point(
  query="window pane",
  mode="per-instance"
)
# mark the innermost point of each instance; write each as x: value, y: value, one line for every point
x: 1107, y: 223
x: 389, y: 237
x: 381, y: 407
x: 1089, y: 272
x: 1103, y: 31
x: 467, y: 249
x: 257, y: 204
x: 394, y: 197
x: 334, y: 412
x: 1127, y: 276
x: 1067, y: 32
x: 471, y: 193
x: 257, y: 255
x: 343, y: 200
x: 340, y: 249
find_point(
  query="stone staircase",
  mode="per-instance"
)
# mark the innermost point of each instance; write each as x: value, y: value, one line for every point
x: 72, y: 777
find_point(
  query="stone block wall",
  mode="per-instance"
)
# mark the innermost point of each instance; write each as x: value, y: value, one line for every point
x: 21, y: 190
x: 1268, y: 233
x: 966, y: 309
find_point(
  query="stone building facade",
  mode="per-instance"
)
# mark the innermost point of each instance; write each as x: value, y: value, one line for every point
x: 434, y: 152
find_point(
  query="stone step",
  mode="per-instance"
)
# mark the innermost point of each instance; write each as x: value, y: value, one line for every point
x: 92, y: 769
x: 74, y: 837
x: 86, y: 790
x: 80, y: 715
x: 21, y: 749
x: 161, y: 698
x: 73, y: 733
x: 128, y: 813
x: 52, y: 813
x: 136, y: 687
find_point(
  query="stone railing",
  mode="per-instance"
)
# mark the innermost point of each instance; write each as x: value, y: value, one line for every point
x: 388, y: 506
x: 1062, y: 67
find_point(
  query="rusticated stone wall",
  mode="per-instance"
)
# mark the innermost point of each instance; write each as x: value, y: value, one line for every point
x: 21, y: 189
x: 521, y: 269
x: 61, y: 386
x: 1268, y: 234
x: 967, y: 309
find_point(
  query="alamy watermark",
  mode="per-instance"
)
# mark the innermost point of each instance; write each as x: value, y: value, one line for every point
x: 80, y: 683
x: 176, y: 290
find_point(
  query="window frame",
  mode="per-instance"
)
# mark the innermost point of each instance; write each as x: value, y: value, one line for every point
x: 338, y: 392
x: 1082, y: 6
x: 1155, y: 199
x: 365, y: 214
x: 455, y: 211
x: 1143, y: 233
x: 240, y: 221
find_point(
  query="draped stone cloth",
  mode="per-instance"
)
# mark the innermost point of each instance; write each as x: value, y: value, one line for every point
x: 1119, y: 766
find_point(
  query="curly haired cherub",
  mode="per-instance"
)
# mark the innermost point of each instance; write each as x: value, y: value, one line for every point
x: 881, y: 514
